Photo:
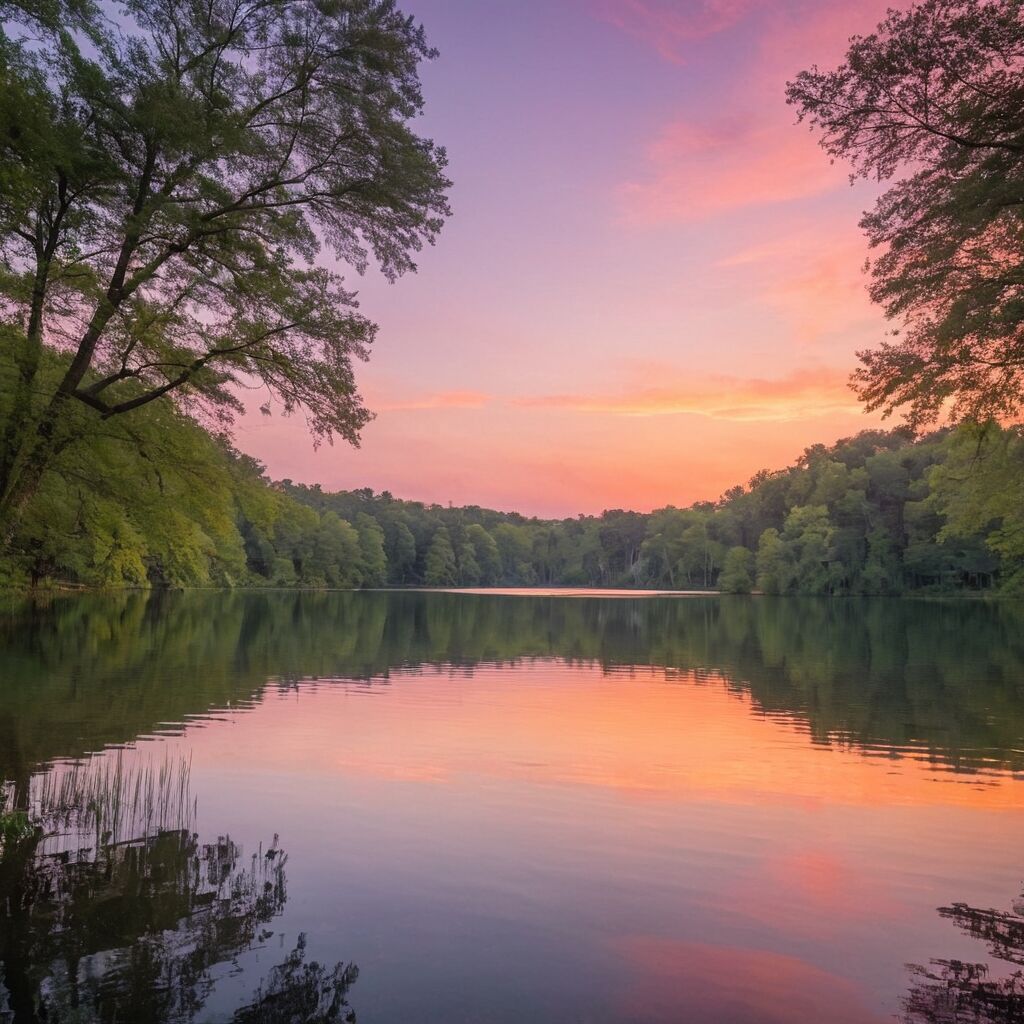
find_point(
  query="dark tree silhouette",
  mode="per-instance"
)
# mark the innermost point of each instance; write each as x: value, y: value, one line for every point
x: 132, y: 931
x: 956, y: 992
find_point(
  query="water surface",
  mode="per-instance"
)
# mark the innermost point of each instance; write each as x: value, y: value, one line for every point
x: 484, y: 807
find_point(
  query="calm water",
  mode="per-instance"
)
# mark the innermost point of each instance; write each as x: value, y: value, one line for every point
x: 463, y: 807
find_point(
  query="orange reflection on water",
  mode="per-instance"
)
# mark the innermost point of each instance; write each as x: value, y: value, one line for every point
x: 741, y: 986
x: 641, y: 733
x: 718, y: 860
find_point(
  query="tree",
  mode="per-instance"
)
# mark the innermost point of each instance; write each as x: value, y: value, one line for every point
x: 807, y: 542
x: 979, y: 488
x: 401, y: 549
x: 469, y: 567
x: 488, y: 558
x: 663, y: 548
x: 338, y: 553
x: 736, y: 574
x: 373, y: 563
x: 167, y: 182
x: 621, y: 535
x: 770, y: 570
x: 514, y: 549
x: 440, y: 569
x: 935, y: 96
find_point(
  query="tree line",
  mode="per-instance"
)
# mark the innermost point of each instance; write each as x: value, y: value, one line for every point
x: 883, y: 512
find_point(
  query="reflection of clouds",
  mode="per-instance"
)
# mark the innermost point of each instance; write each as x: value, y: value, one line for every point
x: 815, y: 892
x: 726, y: 983
x: 546, y: 722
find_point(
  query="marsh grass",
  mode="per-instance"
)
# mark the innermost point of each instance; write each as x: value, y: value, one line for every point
x: 110, y: 798
x: 14, y: 824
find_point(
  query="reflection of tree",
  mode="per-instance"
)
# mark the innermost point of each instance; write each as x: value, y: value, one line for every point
x: 299, y: 993
x: 86, y: 671
x: 955, y: 992
x: 133, y: 931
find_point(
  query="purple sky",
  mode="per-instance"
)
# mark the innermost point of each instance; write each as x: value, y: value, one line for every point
x: 651, y: 286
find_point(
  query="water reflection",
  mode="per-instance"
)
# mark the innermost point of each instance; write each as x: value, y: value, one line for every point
x: 941, y: 680
x: 735, y: 810
x: 110, y: 911
x: 954, y: 991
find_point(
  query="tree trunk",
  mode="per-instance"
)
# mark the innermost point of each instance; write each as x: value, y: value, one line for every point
x: 19, y: 415
x: 33, y: 452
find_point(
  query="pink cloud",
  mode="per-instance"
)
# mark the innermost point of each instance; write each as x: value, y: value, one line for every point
x: 697, y: 171
x: 434, y: 400
x: 668, y: 27
x: 802, y: 393
x: 799, y: 35
x: 814, y: 276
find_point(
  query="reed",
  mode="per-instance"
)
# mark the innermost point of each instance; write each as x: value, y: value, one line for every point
x: 14, y: 824
x: 112, y: 799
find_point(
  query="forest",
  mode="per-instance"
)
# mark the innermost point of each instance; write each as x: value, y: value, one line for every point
x: 174, y: 217
x: 884, y: 512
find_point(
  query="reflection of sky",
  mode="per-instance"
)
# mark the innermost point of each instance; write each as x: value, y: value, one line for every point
x: 547, y: 842
x: 651, y: 286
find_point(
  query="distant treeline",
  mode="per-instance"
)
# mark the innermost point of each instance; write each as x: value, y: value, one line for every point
x: 879, y: 513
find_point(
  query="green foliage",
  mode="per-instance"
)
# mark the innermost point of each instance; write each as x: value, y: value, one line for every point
x: 169, y: 505
x: 771, y: 573
x: 373, y: 563
x: 869, y: 515
x: 980, y: 488
x: 485, y: 554
x: 807, y: 550
x: 440, y: 567
x: 170, y: 175
x: 736, y: 575
x: 934, y: 99
x: 14, y: 827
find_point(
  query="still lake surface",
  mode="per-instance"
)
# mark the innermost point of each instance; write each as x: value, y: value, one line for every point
x: 511, y: 807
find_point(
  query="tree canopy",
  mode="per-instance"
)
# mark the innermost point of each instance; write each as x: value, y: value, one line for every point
x: 180, y: 184
x: 934, y: 101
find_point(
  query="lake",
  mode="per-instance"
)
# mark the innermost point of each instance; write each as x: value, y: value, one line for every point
x: 407, y: 806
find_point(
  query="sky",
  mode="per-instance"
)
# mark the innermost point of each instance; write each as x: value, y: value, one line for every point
x: 652, y: 284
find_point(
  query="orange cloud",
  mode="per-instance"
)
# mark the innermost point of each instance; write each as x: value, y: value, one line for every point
x: 436, y: 400
x: 809, y: 392
x: 668, y: 27
x: 697, y: 171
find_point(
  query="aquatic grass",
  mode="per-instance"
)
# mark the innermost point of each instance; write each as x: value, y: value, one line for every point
x: 14, y: 827
x: 113, y: 799
x: 15, y: 824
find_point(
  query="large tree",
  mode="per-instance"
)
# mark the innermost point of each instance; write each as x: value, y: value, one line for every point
x: 934, y: 100
x: 180, y: 184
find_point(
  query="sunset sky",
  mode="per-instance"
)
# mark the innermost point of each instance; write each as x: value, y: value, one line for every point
x: 652, y: 283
